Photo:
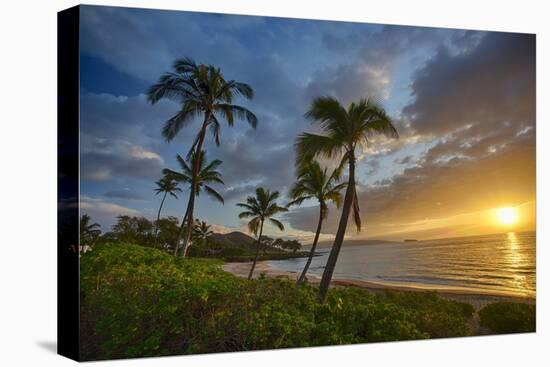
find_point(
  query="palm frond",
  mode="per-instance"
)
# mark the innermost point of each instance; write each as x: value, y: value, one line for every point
x: 177, y: 122
x: 230, y: 112
x: 308, y: 146
x: 277, y: 223
x: 298, y: 201
x: 178, y: 176
x: 247, y: 214
x: 254, y: 225
x: 210, y: 191
x: 326, y: 110
x: 184, y: 166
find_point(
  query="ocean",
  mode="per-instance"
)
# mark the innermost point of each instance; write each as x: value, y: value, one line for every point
x: 491, y: 264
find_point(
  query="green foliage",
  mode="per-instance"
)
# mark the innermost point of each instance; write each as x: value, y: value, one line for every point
x: 168, y: 231
x: 508, y: 317
x: 206, y: 175
x: 202, y: 90
x: 291, y: 245
x: 89, y: 232
x: 167, y: 185
x: 261, y: 207
x: 138, y: 230
x: 138, y: 301
x: 436, y: 316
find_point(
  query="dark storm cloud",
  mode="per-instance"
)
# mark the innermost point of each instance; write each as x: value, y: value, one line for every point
x: 377, y: 56
x: 491, y: 84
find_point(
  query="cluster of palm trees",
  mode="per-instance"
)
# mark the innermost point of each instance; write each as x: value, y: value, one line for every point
x: 203, y: 92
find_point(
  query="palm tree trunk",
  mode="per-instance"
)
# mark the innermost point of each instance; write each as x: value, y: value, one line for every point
x: 158, y: 218
x: 313, y: 247
x: 182, y: 226
x: 257, y: 251
x: 339, y: 239
x: 193, y: 193
x: 189, y: 226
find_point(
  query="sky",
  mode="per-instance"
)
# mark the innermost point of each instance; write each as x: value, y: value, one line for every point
x: 462, y: 101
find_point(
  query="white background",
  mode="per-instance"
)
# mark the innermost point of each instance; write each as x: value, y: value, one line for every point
x: 28, y: 182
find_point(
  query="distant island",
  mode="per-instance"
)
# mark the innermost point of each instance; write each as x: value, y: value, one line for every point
x: 410, y: 240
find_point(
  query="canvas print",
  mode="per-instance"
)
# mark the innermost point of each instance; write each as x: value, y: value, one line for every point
x: 251, y: 183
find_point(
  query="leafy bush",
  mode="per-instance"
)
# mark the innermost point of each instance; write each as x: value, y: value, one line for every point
x: 436, y: 316
x: 138, y: 301
x: 508, y: 317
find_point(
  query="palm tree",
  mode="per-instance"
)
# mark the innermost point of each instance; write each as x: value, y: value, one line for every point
x: 260, y: 208
x: 166, y: 185
x: 202, y: 91
x: 89, y: 232
x: 313, y: 182
x: 201, y: 231
x: 206, y: 174
x: 344, y: 131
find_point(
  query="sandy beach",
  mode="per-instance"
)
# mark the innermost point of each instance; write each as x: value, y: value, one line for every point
x: 478, y: 299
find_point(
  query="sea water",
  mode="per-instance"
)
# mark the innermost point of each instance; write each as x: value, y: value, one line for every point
x: 492, y: 264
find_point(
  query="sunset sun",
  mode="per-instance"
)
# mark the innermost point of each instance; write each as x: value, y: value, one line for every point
x: 506, y: 216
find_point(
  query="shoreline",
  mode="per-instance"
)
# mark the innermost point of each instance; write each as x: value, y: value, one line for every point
x: 478, y: 299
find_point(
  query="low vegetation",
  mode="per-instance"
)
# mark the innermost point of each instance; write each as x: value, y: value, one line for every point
x: 138, y: 301
x: 508, y: 317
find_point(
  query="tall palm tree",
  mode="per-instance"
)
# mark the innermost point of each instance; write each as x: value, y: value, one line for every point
x: 89, y: 232
x: 201, y: 231
x: 166, y: 185
x: 314, y: 182
x: 203, y: 92
x: 205, y: 175
x: 260, y: 208
x: 345, y: 129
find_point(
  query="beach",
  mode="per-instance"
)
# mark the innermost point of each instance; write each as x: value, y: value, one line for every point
x: 477, y: 298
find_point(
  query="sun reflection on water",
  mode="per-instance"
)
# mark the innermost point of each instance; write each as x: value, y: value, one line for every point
x: 515, y: 258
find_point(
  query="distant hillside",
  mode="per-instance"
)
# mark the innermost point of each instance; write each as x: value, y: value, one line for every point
x: 234, y: 239
x: 242, y: 247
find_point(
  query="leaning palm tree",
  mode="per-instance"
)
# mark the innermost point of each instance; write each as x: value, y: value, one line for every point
x: 206, y: 174
x: 203, y: 92
x: 166, y: 185
x: 201, y: 231
x: 260, y: 208
x: 89, y: 232
x: 345, y: 129
x: 314, y: 182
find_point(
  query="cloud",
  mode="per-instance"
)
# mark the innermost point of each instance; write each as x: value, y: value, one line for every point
x: 105, y: 159
x: 104, y: 115
x: 492, y: 83
x: 477, y: 106
x: 124, y: 194
x: 373, y: 70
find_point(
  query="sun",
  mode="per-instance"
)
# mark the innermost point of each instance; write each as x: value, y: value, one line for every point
x: 507, y: 216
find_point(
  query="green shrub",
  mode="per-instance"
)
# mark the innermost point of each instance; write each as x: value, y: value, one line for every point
x: 508, y: 317
x: 434, y: 315
x: 138, y: 301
